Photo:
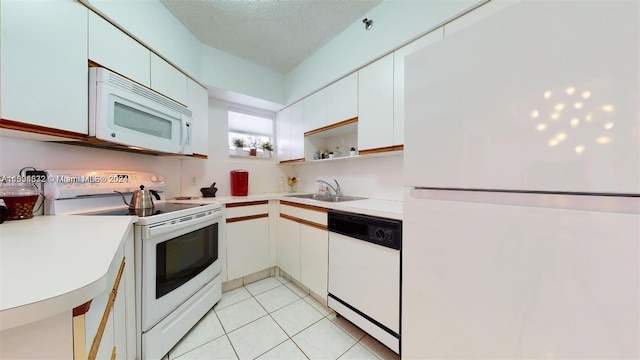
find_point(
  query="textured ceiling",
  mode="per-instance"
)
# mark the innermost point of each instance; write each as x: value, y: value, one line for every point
x: 277, y: 34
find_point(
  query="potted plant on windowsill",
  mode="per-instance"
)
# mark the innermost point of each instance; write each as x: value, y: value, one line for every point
x: 239, y: 144
x: 267, y: 148
x: 352, y: 151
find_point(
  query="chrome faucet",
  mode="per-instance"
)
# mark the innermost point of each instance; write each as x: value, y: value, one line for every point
x: 336, y: 189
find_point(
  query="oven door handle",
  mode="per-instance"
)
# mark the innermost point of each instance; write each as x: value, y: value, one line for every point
x: 168, y: 227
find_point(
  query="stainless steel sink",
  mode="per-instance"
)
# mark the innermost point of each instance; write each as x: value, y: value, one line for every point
x: 327, y: 198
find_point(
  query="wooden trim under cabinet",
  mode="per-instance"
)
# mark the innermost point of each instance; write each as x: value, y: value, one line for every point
x: 332, y: 126
x: 292, y: 161
x: 304, y: 206
x: 248, y: 203
x: 198, y: 156
x: 304, y: 222
x: 245, y: 218
x: 381, y: 149
x: 39, y: 129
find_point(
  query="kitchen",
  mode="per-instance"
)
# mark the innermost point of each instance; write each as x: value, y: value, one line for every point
x: 372, y: 177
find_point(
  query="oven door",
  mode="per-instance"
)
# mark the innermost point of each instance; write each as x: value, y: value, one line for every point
x: 175, y: 266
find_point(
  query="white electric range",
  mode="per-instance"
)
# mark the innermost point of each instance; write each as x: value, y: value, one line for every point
x: 176, y: 249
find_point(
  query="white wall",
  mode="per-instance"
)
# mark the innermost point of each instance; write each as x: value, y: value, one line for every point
x: 263, y: 173
x: 395, y: 22
x: 228, y: 72
x: 379, y: 177
x: 16, y: 154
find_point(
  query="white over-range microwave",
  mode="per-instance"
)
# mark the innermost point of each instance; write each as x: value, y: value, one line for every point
x: 124, y: 112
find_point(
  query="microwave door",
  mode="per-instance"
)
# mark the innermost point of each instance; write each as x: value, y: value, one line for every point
x: 129, y: 119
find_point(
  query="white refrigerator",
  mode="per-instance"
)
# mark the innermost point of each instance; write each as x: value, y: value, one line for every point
x: 522, y: 186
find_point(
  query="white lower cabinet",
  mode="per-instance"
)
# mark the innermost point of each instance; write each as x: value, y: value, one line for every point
x: 289, y: 247
x: 314, y: 258
x: 247, y: 240
x: 106, y: 330
x: 303, y: 247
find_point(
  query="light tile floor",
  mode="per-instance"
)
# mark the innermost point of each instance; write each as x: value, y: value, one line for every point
x: 274, y: 319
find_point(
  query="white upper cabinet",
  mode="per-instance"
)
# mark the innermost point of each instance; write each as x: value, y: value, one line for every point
x: 290, y: 138
x: 315, y: 110
x: 375, y: 121
x: 398, y: 79
x: 44, y: 64
x: 112, y: 48
x: 297, y: 131
x: 333, y: 104
x: 168, y: 80
x: 342, y: 99
x: 283, y: 142
x: 198, y: 103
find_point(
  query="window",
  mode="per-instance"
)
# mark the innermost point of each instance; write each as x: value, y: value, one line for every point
x: 250, y: 129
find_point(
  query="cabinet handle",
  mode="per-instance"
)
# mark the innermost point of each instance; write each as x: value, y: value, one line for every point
x: 105, y: 316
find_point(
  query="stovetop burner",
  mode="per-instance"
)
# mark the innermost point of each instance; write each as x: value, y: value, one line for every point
x: 161, y: 208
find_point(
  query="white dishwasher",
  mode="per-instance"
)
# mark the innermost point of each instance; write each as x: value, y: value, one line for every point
x: 364, y: 273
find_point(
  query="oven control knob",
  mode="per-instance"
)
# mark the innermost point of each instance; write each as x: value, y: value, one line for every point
x: 153, y: 179
x: 160, y: 179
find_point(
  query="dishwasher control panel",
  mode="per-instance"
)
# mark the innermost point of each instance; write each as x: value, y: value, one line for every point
x: 376, y: 230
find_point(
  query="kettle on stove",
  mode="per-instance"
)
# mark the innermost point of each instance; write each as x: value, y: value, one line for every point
x: 141, y: 199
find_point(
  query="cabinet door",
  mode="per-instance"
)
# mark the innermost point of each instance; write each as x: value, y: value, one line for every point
x: 297, y: 131
x: 375, y: 120
x: 314, y: 258
x: 289, y: 247
x: 44, y: 64
x: 342, y: 99
x: 92, y: 325
x: 247, y: 247
x: 284, y: 134
x: 315, y: 110
x: 290, y: 130
x: 168, y: 80
x: 398, y: 80
x: 114, y: 49
x: 199, y: 104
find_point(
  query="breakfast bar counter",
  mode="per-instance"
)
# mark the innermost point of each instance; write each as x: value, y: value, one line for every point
x: 51, y: 264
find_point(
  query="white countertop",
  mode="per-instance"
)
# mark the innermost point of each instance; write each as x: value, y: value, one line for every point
x: 50, y: 264
x: 376, y: 207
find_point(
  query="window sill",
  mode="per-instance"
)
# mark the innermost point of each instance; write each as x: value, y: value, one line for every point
x: 245, y: 155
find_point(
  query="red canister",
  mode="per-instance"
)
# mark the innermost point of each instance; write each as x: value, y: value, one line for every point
x: 239, y: 182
